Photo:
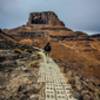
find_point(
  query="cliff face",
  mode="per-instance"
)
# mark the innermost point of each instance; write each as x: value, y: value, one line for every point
x: 44, y: 18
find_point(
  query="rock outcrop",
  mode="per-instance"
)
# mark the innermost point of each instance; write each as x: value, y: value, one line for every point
x: 44, y: 18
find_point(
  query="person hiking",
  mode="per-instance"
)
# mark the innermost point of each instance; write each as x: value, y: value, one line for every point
x: 47, y: 49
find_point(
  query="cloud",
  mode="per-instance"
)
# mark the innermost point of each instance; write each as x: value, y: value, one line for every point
x: 77, y: 14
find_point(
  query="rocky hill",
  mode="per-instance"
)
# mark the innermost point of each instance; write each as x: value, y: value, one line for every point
x: 77, y: 54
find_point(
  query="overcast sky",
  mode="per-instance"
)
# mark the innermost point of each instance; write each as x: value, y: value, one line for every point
x: 81, y: 15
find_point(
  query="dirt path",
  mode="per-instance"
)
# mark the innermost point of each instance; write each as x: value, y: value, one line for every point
x: 56, y: 87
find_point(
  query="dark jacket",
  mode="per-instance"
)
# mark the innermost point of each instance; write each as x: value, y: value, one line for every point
x: 47, y: 48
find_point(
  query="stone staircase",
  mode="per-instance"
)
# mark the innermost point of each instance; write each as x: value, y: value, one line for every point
x: 55, y: 84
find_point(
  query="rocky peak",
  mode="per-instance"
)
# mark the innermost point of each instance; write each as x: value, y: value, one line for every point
x: 44, y: 18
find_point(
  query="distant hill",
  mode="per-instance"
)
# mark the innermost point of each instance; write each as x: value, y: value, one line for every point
x: 95, y: 35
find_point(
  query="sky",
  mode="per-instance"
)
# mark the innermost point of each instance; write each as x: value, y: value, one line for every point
x: 79, y: 15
